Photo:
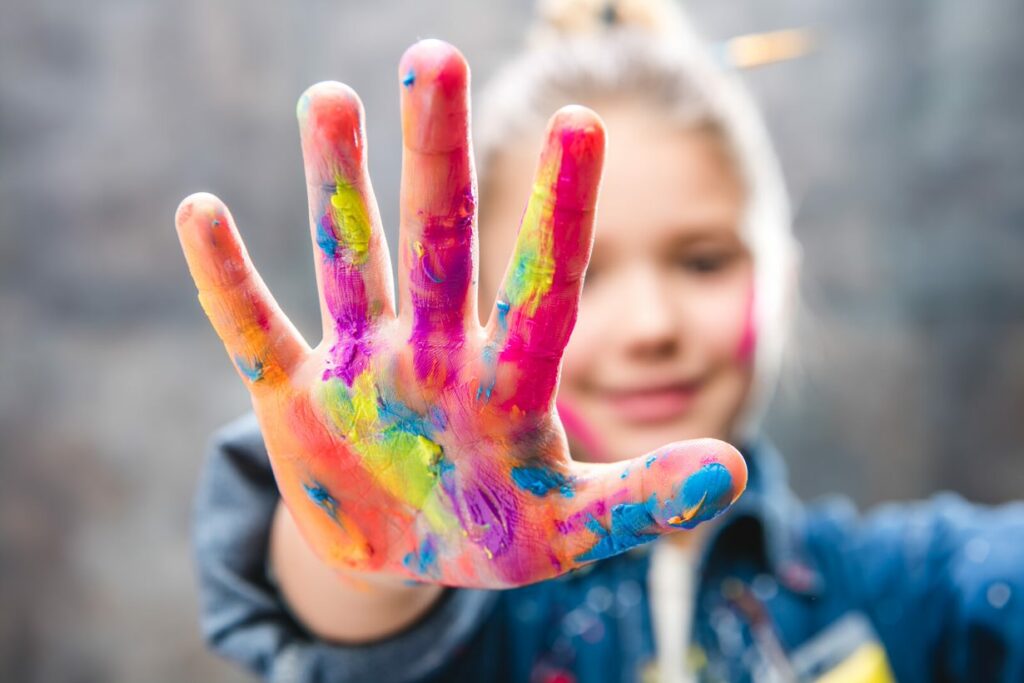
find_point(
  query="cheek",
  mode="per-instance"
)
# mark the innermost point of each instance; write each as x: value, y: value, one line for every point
x: 724, y: 316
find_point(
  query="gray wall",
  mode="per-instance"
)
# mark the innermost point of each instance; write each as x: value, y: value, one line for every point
x: 901, y: 139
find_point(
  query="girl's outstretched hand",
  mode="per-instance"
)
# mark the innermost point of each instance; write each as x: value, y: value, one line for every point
x: 417, y: 443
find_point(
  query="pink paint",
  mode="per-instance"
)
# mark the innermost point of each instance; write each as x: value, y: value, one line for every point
x: 579, y: 431
x: 535, y: 342
x: 578, y: 520
x: 748, y: 339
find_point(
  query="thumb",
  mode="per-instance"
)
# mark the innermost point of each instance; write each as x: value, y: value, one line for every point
x: 615, y: 507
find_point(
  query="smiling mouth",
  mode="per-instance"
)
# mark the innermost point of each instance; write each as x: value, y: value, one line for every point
x: 652, y: 404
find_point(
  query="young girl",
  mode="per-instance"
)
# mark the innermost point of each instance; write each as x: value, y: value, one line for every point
x: 396, y: 474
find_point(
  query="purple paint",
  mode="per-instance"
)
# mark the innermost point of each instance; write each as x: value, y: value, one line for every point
x: 487, y: 515
x: 492, y: 516
x: 345, y: 298
x: 439, y: 284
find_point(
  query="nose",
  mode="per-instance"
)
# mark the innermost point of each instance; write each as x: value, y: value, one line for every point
x: 648, y: 323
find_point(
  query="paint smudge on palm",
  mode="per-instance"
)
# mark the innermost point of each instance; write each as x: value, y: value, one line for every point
x: 632, y: 524
x: 323, y: 500
x: 423, y: 561
x: 542, y: 480
x: 393, y: 442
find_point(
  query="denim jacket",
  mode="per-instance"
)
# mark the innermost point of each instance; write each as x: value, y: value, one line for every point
x: 928, y: 591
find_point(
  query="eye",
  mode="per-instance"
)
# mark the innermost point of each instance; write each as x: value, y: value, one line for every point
x: 706, y: 262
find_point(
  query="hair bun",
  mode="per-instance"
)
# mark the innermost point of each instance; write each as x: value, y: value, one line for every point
x: 560, y: 19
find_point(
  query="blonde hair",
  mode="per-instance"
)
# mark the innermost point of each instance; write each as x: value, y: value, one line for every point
x: 646, y: 52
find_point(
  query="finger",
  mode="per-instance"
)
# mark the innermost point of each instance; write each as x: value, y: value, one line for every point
x: 438, y: 199
x: 614, y: 507
x: 353, y: 269
x: 261, y: 341
x: 536, y: 307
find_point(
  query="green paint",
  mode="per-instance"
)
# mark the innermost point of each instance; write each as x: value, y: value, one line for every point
x: 533, y: 264
x: 403, y: 461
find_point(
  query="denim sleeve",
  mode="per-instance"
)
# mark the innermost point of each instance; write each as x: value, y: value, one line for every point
x: 943, y: 581
x: 244, y: 619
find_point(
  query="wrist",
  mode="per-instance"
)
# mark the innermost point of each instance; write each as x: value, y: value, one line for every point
x: 338, y: 604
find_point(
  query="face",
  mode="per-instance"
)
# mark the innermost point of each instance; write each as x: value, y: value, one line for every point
x: 663, y: 344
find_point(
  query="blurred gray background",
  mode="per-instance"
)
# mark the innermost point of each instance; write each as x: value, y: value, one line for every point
x: 901, y: 138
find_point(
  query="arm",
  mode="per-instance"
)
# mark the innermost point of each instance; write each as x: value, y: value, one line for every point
x: 352, y: 608
x: 413, y: 442
x: 245, y: 618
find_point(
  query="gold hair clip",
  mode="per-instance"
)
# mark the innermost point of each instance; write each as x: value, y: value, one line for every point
x: 759, y: 49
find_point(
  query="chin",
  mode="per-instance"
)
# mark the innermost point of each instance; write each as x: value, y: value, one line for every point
x: 634, y: 440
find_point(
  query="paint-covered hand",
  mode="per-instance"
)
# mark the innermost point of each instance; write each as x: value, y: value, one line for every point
x: 420, y: 444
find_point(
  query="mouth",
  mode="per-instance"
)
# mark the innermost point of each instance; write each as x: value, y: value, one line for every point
x: 651, y: 404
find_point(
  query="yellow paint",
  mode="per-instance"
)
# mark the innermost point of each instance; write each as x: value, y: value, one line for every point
x: 351, y: 220
x: 403, y: 463
x: 533, y: 264
x: 868, y: 664
x: 689, y: 513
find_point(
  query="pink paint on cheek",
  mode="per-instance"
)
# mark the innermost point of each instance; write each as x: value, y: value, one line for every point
x: 578, y: 430
x: 748, y: 339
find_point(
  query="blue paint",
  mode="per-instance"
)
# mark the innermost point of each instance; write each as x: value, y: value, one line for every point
x: 215, y: 223
x: 444, y: 470
x: 628, y: 530
x: 706, y: 493
x: 325, y: 238
x: 490, y: 353
x: 625, y: 473
x: 431, y: 275
x: 540, y: 481
x: 324, y: 500
x: 423, y: 560
x: 409, y: 79
x: 399, y: 417
x: 490, y: 357
x: 503, y: 308
x: 253, y: 371
x: 438, y: 418
x: 650, y: 461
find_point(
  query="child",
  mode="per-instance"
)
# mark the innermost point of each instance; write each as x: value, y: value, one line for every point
x: 421, y: 446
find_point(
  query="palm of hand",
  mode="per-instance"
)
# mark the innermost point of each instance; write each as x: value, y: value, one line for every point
x: 422, y: 444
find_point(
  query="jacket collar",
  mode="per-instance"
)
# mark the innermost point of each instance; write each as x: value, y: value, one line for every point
x: 764, y: 526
